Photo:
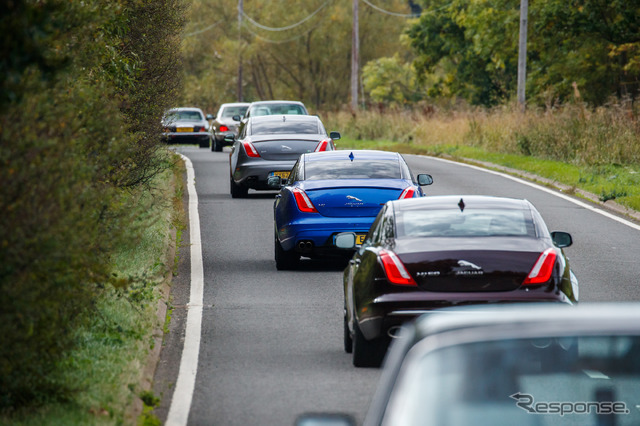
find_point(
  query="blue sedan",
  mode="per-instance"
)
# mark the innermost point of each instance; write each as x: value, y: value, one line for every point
x: 332, y: 192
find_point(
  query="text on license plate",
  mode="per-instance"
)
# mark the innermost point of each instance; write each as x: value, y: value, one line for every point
x: 360, y: 238
x: 283, y: 175
x: 184, y: 129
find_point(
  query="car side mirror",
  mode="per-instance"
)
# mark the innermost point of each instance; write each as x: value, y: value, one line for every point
x: 210, y: 117
x: 424, y: 179
x: 345, y: 240
x: 236, y: 118
x: 335, y: 135
x: 561, y: 239
x: 229, y: 138
x: 275, y: 182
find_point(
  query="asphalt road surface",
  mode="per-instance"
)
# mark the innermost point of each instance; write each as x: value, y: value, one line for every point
x: 271, y: 341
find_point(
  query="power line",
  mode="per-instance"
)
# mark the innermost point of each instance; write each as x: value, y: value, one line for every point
x: 288, y: 27
x: 286, y: 40
x: 379, y: 9
x: 204, y: 29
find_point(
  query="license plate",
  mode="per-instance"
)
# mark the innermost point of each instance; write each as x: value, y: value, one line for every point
x: 184, y: 129
x: 283, y: 175
x: 360, y: 239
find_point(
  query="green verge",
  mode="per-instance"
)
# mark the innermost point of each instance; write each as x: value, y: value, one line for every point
x: 105, y: 368
x: 608, y: 182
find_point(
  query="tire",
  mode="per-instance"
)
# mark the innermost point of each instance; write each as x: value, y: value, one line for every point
x: 367, y: 353
x: 237, y: 191
x: 348, y: 341
x: 285, y: 260
x: 215, y: 145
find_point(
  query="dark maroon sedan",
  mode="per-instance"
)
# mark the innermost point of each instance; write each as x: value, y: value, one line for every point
x: 427, y: 253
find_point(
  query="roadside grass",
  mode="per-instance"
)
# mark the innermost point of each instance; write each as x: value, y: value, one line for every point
x: 106, y: 367
x: 595, y: 151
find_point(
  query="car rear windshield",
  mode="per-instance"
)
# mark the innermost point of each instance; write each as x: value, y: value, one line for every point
x: 467, y: 223
x: 576, y: 380
x: 275, y: 109
x: 184, y: 116
x: 285, y: 127
x: 231, y: 111
x: 318, y: 170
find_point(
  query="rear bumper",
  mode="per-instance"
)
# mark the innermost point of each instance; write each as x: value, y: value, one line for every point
x: 320, y: 231
x: 392, y: 310
x: 190, y: 137
x: 254, y: 175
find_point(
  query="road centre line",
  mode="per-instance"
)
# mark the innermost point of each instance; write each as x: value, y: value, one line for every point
x: 185, y: 384
x: 542, y: 188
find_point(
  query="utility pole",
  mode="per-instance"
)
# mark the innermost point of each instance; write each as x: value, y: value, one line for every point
x: 240, y: 12
x: 355, y: 58
x: 522, y: 54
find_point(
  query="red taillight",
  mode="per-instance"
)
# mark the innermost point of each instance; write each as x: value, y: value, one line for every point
x: 394, y: 268
x: 250, y: 149
x: 322, y: 146
x: 542, y: 270
x: 304, y: 203
x: 224, y: 129
x: 407, y: 193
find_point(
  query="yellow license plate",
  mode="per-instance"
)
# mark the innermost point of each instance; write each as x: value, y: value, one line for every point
x: 360, y: 238
x: 283, y: 175
x: 184, y: 129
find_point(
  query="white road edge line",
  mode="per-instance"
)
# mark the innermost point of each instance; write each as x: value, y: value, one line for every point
x: 185, y: 385
x: 542, y: 188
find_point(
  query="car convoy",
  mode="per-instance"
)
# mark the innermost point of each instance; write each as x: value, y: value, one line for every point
x: 408, y: 254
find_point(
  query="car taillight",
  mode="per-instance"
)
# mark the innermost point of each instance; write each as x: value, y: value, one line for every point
x: 224, y: 129
x: 304, y: 203
x: 542, y: 270
x: 394, y: 269
x: 322, y: 146
x: 200, y: 129
x: 407, y: 193
x: 250, y: 149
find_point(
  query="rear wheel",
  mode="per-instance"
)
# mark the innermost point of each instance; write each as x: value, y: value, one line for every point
x: 215, y: 145
x: 285, y: 260
x: 367, y: 353
x: 348, y: 341
x: 237, y: 191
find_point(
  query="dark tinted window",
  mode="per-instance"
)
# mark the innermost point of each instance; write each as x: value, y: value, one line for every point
x: 317, y: 170
x: 470, y: 223
x: 284, y: 127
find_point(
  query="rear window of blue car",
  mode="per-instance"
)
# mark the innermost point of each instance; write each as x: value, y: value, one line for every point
x: 319, y: 170
x: 285, y: 127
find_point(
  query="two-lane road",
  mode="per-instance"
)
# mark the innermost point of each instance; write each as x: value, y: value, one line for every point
x: 271, y: 341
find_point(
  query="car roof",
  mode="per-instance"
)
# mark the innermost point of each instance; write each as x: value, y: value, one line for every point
x: 345, y: 155
x: 585, y: 318
x: 443, y: 202
x: 234, y: 104
x: 276, y: 102
x: 284, y: 117
x: 185, y: 109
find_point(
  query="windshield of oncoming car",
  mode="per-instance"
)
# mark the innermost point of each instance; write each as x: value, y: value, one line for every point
x: 230, y: 111
x: 285, y: 127
x: 467, y: 223
x: 364, y: 169
x: 550, y: 381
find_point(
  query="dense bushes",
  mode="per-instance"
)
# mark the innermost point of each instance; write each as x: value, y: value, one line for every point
x: 83, y: 87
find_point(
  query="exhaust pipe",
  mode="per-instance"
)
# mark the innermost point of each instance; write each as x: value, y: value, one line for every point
x: 304, y: 246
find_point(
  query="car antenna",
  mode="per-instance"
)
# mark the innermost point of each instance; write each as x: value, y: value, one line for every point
x: 351, y: 157
x: 461, y: 204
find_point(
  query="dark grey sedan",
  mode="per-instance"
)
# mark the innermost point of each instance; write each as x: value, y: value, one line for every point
x: 270, y: 146
x: 226, y: 123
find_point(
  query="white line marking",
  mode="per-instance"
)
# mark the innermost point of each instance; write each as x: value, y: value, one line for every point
x: 542, y: 188
x: 183, y: 392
